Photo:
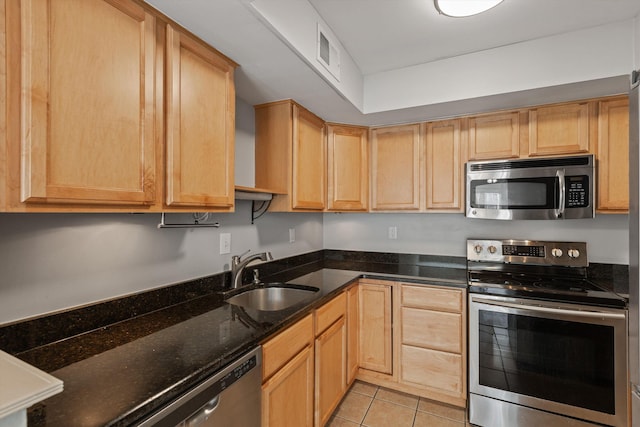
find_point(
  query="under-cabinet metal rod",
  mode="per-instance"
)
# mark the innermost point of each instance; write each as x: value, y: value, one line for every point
x: 196, y: 224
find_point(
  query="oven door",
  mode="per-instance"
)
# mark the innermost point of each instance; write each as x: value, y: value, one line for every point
x: 561, y: 358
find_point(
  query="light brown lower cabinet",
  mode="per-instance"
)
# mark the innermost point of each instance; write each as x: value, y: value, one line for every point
x: 308, y: 367
x: 413, y: 339
x: 375, y: 327
x: 432, y: 342
x: 331, y: 381
x: 286, y: 397
x: 352, y: 333
x: 305, y: 367
x: 288, y: 377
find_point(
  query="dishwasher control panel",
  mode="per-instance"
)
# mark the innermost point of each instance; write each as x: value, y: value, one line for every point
x: 237, y: 373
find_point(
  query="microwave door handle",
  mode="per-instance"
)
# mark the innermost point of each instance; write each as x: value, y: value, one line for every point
x: 561, y: 195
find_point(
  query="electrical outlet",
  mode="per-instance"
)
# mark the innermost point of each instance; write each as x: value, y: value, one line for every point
x: 225, y: 243
x: 393, y: 233
x: 292, y: 235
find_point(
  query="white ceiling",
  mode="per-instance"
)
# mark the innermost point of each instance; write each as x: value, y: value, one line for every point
x: 379, y: 35
x: 384, y: 35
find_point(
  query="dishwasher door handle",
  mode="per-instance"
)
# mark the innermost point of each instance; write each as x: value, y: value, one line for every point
x: 203, y: 413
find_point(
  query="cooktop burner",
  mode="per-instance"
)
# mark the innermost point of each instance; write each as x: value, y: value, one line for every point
x: 535, y: 270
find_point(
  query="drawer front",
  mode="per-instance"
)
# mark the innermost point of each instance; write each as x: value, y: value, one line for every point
x: 283, y: 347
x: 432, y: 298
x: 432, y: 368
x: 432, y: 329
x: 330, y: 312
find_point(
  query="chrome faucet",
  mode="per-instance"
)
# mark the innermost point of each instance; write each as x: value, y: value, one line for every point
x: 238, y: 265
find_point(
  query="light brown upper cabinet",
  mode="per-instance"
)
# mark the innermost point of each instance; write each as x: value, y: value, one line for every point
x: 396, y: 158
x: 110, y: 107
x: 444, y: 165
x: 494, y: 136
x: 87, y: 101
x: 347, y: 168
x: 200, y: 99
x: 613, y: 155
x: 291, y: 156
x: 559, y: 129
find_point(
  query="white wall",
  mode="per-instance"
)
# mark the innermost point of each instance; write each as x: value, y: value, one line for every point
x: 245, y: 146
x: 445, y: 234
x: 551, y: 61
x: 54, y: 261
x: 301, y: 34
x: 636, y: 43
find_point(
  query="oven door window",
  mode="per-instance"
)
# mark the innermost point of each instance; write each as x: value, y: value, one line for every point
x: 557, y: 360
x: 516, y: 193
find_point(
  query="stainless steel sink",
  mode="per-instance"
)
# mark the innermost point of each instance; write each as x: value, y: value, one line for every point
x: 273, y: 298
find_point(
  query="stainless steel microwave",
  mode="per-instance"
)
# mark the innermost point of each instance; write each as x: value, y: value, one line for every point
x: 544, y: 188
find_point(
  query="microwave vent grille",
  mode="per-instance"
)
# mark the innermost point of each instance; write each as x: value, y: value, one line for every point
x: 532, y: 163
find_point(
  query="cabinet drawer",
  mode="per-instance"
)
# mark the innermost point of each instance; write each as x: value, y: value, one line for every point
x: 330, y: 312
x: 432, y: 368
x: 284, y: 346
x: 432, y: 298
x: 432, y: 329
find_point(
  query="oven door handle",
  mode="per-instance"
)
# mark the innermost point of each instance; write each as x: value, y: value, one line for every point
x: 551, y: 310
x: 561, y: 195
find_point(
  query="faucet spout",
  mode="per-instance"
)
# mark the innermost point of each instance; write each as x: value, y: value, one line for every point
x: 238, y: 265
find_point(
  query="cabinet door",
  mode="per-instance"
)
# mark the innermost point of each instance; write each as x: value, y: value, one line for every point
x: 444, y: 165
x: 559, y: 129
x: 375, y: 327
x: 433, y: 329
x: 200, y: 124
x: 434, y: 369
x: 309, y: 161
x: 395, y: 168
x: 331, y: 374
x: 352, y: 333
x: 494, y: 136
x: 348, y: 168
x: 87, y: 102
x: 287, y: 398
x: 440, y: 299
x: 613, y: 155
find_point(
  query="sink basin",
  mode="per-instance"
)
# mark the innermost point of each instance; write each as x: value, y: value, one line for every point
x: 273, y: 298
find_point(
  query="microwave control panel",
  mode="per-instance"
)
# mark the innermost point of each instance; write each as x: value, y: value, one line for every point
x: 576, y: 191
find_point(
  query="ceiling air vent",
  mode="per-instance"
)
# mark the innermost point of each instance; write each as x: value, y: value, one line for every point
x: 328, y: 53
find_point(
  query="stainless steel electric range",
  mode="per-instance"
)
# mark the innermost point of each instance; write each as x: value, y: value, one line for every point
x: 547, y: 346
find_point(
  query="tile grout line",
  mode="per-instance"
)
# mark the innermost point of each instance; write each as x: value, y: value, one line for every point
x: 369, y: 407
x: 415, y: 410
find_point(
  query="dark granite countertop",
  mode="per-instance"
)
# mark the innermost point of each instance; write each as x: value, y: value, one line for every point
x: 119, y: 373
x: 124, y: 359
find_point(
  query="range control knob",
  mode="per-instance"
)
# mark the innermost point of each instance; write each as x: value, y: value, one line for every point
x: 573, y: 253
x: 477, y: 248
x: 492, y: 249
x: 556, y: 252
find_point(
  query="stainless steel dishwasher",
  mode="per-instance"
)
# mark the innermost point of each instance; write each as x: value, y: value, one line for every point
x: 230, y: 398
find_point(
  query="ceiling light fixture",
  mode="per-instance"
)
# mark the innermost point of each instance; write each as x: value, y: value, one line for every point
x: 462, y: 8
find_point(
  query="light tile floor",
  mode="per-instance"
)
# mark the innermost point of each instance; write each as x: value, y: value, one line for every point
x: 367, y: 405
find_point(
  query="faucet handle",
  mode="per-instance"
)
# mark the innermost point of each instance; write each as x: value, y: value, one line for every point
x: 239, y: 257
